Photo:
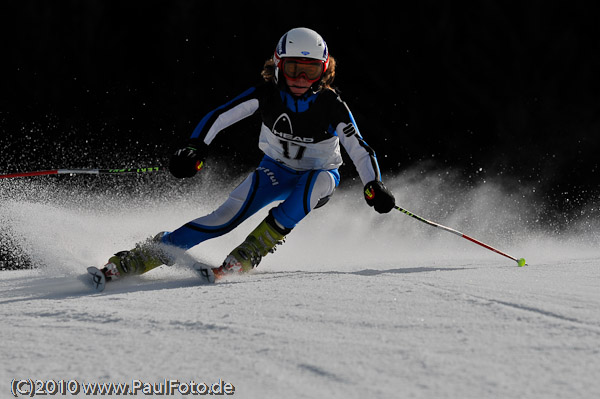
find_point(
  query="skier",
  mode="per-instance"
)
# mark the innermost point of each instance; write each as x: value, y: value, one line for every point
x: 304, y: 121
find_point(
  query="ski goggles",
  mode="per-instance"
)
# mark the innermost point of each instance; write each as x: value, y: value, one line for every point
x: 294, y: 68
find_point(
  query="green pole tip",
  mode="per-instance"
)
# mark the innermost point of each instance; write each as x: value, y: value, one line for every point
x: 521, y: 262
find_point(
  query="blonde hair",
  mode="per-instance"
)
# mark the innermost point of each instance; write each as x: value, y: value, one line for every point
x: 268, y: 73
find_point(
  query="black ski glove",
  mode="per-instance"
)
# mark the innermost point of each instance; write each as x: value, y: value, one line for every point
x: 379, y: 197
x: 188, y: 160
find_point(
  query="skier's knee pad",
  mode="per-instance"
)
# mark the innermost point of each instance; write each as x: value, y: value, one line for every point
x: 323, y: 201
x: 323, y: 189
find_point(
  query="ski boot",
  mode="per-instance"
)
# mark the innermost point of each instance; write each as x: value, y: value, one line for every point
x: 261, y: 241
x: 144, y: 257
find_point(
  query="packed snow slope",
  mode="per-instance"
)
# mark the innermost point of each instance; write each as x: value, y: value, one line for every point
x: 353, y: 305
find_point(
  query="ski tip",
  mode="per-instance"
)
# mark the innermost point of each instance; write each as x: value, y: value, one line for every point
x: 205, y: 272
x: 97, y: 277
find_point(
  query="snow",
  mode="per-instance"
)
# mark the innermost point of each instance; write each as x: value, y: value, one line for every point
x: 353, y: 305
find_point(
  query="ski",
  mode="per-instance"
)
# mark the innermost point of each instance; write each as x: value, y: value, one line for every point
x: 98, y: 278
x: 205, y: 272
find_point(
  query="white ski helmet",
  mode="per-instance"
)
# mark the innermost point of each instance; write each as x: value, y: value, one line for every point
x: 301, y: 43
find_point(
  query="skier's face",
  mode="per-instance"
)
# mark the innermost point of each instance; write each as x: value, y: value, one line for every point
x: 301, y: 73
x: 298, y: 86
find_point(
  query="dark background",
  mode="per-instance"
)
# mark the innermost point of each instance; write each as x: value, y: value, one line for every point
x: 489, y: 88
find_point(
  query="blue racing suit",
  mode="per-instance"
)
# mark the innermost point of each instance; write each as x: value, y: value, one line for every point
x: 300, y: 137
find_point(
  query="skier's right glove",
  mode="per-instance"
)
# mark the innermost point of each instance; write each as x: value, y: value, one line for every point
x: 188, y: 160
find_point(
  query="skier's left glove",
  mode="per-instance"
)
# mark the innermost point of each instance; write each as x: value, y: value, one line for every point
x: 378, y: 196
x: 188, y: 160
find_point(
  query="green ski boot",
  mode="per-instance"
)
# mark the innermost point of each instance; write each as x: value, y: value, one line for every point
x: 259, y: 243
x: 144, y: 257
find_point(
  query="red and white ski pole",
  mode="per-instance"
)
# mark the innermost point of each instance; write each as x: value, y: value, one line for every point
x: 520, y: 261
x: 83, y: 172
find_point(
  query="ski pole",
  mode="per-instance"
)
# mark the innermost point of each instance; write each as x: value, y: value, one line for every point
x: 520, y: 261
x: 83, y: 172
